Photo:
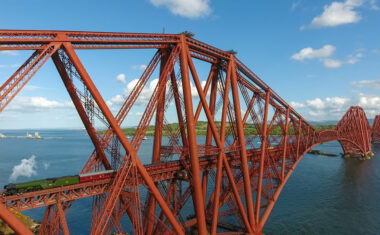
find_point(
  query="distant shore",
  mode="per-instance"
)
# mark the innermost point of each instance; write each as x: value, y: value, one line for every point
x: 201, y: 129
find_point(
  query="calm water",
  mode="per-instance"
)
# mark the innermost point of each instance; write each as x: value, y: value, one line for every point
x: 325, y: 195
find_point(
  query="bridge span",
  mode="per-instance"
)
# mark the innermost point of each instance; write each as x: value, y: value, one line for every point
x: 233, y: 179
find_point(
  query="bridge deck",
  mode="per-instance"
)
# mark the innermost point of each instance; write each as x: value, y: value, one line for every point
x: 158, y: 172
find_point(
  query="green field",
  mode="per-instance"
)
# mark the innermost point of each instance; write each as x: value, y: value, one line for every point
x: 201, y: 129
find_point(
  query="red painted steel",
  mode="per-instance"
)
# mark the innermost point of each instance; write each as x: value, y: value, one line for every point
x: 230, y: 182
x: 376, y: 130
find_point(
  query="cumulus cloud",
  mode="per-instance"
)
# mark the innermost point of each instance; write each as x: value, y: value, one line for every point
x: 373, y: 5
x: 337, y: 13
x: 36, y: 103
x: 310, y: 53
x: 324, y: 55
x: 371, y: 84
x: 147, y: 92
x: 189, y: 9
x: 116, y: 100
x: 330, y: 107
x: 370, y: 103
x: 296, y: 105
x: 331, y: 63
x: 141, y: 66
x: 121, y: 78
x: 26, y: 168
x: 8, y: 52
x: 9, y: 66
x: 333, y: 108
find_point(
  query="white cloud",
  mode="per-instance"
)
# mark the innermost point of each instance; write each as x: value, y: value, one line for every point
x: 310, y: 53
x: 373, y: 5
x: 371, y: 84
x: 328, y: 108
x: 295, y: 5
x: 147, y: 92
x: 36, y: 103
x: 333, y: 108
x: 337, y: 13
x: 121, y: 78
x: 353, y: 59
x: 370, y: 103
x: 9, y: 66
x: 323, y: 54
x: 26, y: 168
x: 116, y: 100
x: 8, y: 52
x: 190, y: 9
x: 141, y: 66
x: 331, y: 63
x: 30, y: 87
x: 296, y: 105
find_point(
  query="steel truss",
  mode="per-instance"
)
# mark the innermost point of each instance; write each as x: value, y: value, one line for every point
x: 233, y: 179
x: 376, y: 130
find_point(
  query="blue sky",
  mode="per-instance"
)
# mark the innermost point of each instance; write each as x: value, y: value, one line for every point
x: 319, y: 56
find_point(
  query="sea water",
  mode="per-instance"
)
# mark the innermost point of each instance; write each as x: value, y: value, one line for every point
x: 325, y: 195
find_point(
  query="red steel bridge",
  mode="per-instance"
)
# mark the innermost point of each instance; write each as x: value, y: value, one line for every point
x: 226, y: 184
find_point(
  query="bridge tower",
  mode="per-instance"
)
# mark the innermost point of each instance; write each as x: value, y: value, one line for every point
x: 376, y: 130
x: 354, y: 133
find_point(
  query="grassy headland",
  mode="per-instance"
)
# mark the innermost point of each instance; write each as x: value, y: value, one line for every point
x: 201, y: 129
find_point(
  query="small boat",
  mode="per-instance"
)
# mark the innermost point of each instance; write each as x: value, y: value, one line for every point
x: 2, y: 136
x: 36, y: 136
x: 29, y: 136
x: 145, y: 138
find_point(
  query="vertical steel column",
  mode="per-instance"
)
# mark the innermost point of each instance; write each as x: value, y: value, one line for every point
x: 178, y: 108
x: 218, y: 140
x: 159, y: 116
x: 307, y: 137
x: 262, y: 157
x: 299, y: 137
x: 285, y: 143
x: 62, y: 219
x: 192, y: 138
x: 241, y: 137
x: 157, y: 142
x: 358, y: 125
x: 219, y: 172
x: 214, y: 89
x: 367, y: 144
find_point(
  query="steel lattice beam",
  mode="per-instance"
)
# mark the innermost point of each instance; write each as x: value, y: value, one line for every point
x: 226, y: 176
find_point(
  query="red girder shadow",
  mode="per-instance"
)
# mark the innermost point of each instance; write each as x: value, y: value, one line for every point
x: 230, y: 175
